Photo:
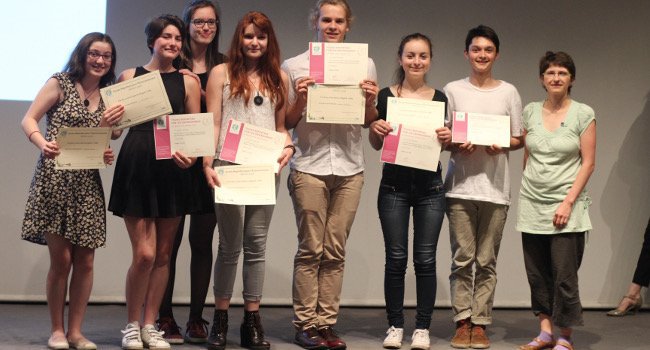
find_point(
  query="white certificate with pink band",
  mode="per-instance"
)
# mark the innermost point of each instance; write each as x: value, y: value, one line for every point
x: 413, y: 141
x: 338, y: 63
x: 190, y: 134
x: 245, y: 184
x: 246, y: 143
x: 412, y: 146
x: 481, y: 129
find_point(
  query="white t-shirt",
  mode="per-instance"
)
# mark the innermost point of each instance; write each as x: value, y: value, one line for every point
x: 324, y: 149
x: 480, y: 176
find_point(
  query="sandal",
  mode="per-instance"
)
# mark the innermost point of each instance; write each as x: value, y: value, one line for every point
x: 563, y: 343
x: 540, y: 345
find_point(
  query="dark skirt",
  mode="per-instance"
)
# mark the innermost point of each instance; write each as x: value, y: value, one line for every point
x: 149, y: 188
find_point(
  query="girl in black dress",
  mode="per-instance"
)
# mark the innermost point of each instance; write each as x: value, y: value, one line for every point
x: 152, y: 195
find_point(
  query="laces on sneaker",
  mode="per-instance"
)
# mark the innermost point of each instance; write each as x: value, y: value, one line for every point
x: 420, y: 339
x: 393, y: 338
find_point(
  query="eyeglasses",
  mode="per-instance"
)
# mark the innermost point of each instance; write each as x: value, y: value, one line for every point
x: 558, y: 74
x: 199, y: 22
x: 95, y: 55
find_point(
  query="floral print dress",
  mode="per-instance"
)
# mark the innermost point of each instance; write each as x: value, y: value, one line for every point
x: 69, y: 203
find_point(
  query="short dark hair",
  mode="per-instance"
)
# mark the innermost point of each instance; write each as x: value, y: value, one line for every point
x: 482, y: 31
x: 76, y: 65
x: 560, y: 59
x: 155, y: 27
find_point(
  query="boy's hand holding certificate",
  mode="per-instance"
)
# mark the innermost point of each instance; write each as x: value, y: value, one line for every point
x: 190, y: 134
x: 251, y: 144
x: 245, y: 185
x: 144, y: 98
x: 82, y: 148
x: 481, y: 129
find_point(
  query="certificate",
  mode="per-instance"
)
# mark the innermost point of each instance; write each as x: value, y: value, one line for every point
x: 82, y: 148
x: 411, y: 111
x: 190, y: 134
x: 251, y: 144
x: 338, y: 63
x: 335, y: 104
x: 245, y: 184
x: 412, y: 146
x: 144, y: 98
x: 481, y: 129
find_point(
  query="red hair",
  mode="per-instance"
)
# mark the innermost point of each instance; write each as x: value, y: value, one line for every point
x: 268, y: 66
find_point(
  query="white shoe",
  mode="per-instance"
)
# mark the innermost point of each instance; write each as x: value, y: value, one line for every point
x: 131, y: 339
x: 420, y: 339
x: 153, y: 339
x: 393, y: 338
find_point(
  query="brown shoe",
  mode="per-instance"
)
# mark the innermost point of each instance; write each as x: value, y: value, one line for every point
x: 172, y: 332
x: 462, y: 338
x: 333, y: 341
x: 310, y: 339
x: 479, y: 340
x: 196, y: 331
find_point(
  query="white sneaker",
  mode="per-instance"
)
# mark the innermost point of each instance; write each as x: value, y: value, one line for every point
x: 153, y: 339
x: 131, y: 337
x: 393, y: 338
x: 420, y: 339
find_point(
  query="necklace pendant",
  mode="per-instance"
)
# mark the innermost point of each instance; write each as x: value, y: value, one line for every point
x: 258, y: 100
x: 86, y: 102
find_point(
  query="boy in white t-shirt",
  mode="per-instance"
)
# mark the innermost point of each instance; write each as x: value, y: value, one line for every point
x: 478, y: 190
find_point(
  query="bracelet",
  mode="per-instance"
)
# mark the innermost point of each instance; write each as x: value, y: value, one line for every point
x: 32, y: 133
x: 292, y: 147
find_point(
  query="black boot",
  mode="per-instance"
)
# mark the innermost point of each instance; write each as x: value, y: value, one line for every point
x: 219, y: 330
x: 252, y: 333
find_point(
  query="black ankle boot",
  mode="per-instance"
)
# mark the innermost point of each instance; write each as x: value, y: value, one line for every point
x: 252, y: 333
x: 219, y: 330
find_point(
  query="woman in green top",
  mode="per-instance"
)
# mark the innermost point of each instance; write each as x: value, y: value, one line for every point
x: 560, y: 139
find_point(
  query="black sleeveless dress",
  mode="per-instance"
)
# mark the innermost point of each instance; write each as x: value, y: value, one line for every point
x: 143, y: 186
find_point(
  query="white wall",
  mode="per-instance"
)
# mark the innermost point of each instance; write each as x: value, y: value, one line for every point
x: 608, y: 41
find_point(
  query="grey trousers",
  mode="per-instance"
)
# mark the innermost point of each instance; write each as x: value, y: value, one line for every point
x: 552, y: 263
x: 242, y: 227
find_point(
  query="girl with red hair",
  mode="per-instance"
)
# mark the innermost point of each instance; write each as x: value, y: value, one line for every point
x: 249, y: 88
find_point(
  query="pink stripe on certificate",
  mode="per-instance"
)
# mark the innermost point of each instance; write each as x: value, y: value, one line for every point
x: 391, y: 143
x: 459, y: 127
x: 161, y: 137
x: 231, y: 142
x: 317, y: 62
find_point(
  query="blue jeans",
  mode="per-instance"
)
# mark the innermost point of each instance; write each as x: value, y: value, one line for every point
x: 401, y: 189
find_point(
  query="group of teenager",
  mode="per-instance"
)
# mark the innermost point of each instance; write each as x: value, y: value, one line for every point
x: 66, y: 209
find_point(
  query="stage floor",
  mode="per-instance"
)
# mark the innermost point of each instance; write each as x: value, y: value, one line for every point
x: 26, y: 326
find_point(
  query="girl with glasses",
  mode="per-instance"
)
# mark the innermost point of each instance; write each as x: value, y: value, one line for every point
x: 65, y: 209
x: 200, y: 53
